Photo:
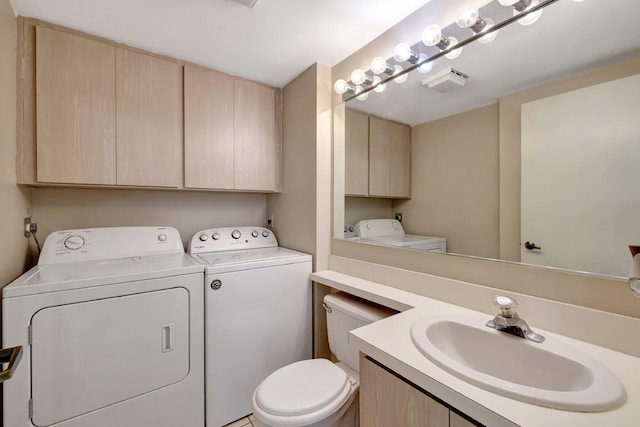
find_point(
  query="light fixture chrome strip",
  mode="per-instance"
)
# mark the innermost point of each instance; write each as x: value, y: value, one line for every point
x: 507, y: 21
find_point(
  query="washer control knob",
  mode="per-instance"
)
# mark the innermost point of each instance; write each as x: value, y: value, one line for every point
x: 74, y: 242
x: 236, y: 234
x: 255, y: 233
x: 265, y: 233
x: 215, y: 236
x: 162, y: 237
x: 203, y: 237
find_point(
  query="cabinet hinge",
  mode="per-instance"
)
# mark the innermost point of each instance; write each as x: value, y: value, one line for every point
x: 30, y: 334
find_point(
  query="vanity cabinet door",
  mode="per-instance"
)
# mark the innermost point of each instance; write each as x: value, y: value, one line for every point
x: 356, y: 153
x: 386, y: 400
x: 389, y: 159
x: 456, y: 420
x: 76, y: 123
x: 208, y: 129
x: 149, y: 125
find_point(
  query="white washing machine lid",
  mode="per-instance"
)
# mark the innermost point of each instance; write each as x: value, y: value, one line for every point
x: 222, y: 262
x: 75, y: 275
x: 405, y: 240
x: 301, y: 388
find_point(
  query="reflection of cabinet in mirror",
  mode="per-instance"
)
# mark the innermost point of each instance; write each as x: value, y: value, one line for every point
x: 377, y: 157
x: 387, y: 399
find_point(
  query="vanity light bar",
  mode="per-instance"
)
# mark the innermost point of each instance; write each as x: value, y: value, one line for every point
x: 483, y: 29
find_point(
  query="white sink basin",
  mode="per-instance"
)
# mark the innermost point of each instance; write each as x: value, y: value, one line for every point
x: 550, y: 373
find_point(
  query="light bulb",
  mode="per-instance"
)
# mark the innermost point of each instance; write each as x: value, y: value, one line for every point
x: 402, y: 52
x: 379, y: 65
x: 468, y: 16
x: 530, y: 18
x: 359, y: 77
x: 362, y: 96
x: 402, y: 78
x: 380, y: 87
x: 341, y: 86
x: 431, y: 35
x: 427, y: 66
x: 488, y: 38
x: 455, y: 52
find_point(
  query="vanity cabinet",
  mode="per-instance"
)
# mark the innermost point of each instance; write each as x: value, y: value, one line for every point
x: 387, y: 399
x: 231, y: 140
x: 105, y: 115
x: 377, y: 157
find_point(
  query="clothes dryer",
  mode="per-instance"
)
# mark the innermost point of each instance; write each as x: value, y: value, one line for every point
x: 111, y: 322
x: 257, y: 314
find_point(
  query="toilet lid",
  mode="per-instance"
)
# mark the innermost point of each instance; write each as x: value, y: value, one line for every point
x: 301, y: 388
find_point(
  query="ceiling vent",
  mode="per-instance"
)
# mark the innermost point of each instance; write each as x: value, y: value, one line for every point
x: 248, y: 3
x: 446, y: 80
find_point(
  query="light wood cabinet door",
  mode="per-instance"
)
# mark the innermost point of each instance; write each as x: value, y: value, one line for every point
x: 389, y: 159
x: 456, y: 420
x: 356, y: 153
x: 386, y: 400
x: 149, y: 120
x: 255, y: 136
x: 208, y: 129
x: 76, y: 125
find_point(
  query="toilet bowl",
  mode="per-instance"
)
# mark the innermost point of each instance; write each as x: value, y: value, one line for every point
x: 317, y: 392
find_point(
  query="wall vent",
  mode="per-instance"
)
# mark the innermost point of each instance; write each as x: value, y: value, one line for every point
x: 446, y: 80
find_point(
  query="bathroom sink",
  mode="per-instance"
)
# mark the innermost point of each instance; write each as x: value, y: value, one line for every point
x: 550, y: 373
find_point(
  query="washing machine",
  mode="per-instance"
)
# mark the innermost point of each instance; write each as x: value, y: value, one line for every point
x: 111, y: 323
x: 390, y: 232
x: 257, y: 314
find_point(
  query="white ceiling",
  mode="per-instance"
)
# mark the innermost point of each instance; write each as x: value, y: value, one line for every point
x: 272, y: 42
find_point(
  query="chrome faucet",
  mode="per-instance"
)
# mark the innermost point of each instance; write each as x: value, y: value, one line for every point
x: 508, y: 320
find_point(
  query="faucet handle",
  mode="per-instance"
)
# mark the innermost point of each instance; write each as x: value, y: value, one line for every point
x: 506, y: 305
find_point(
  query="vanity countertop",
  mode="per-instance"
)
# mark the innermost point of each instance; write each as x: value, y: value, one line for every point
x: 389, y: 342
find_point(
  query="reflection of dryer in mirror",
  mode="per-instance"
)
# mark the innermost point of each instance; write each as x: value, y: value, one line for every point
x: 390, y: 232
x: 350, y: 232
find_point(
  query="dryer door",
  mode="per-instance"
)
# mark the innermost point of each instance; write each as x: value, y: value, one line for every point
x: 90, y: 355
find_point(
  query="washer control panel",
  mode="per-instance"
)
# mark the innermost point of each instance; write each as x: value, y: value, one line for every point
x: 109, y: 243
x: 231, y: 239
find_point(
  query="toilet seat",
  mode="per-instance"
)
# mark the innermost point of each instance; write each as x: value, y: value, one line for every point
x: 302, y: 393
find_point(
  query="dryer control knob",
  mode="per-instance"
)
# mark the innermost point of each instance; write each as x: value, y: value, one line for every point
x: 265, y: 233
x: 255, y: 233
x: 162, y: 237
x: 203, y: 237
x: 215, y: 236
x: 74, y: 242
x: 236, y: 234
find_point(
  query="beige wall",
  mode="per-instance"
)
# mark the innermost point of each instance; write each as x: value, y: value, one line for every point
x: 14, y: 201
x: 189, y: 212
x: 358, y: 208
x: 455, y: 182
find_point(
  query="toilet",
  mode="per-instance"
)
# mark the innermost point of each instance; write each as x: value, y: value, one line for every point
x: 317, y: 392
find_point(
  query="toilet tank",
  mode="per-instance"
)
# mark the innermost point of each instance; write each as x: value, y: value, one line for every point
x: 346, y: 313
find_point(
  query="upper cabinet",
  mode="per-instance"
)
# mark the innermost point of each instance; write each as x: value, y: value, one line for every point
x: 93, y: 112
x: 231, y: 132
x: 377, y: 157
x: 76, y: 120
x: 105, y: 115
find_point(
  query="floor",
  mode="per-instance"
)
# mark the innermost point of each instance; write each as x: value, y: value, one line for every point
x: 243, y: 422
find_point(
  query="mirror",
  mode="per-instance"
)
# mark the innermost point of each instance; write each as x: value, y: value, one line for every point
x: 466, y: 152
